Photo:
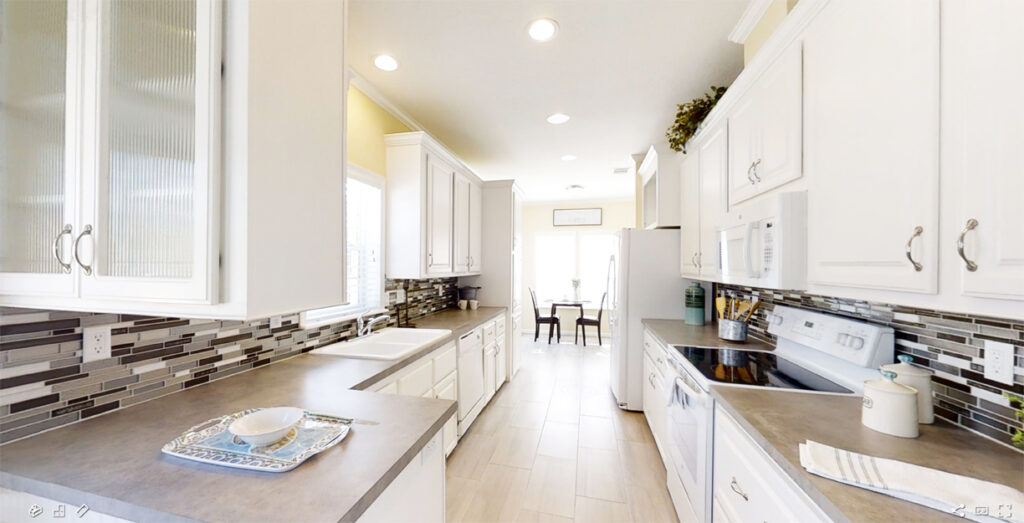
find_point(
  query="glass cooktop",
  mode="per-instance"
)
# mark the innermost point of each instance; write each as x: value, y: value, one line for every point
x: 756, y: 368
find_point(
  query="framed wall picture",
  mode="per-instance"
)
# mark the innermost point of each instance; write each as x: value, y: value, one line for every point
x: 575, y: 217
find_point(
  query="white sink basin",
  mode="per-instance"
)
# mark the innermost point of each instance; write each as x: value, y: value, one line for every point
x: 386, y: 344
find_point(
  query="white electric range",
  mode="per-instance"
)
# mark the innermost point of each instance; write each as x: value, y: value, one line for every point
x: 815, y: 353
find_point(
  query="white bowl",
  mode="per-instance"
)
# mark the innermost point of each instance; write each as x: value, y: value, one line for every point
x: 265, y: 426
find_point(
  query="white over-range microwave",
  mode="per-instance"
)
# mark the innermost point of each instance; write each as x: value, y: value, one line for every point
x: 768, y: 247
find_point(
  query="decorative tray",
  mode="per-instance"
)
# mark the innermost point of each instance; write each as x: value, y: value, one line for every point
x: 211, y: 442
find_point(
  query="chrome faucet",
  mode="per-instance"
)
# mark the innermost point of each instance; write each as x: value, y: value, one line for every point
x: 365, y: 328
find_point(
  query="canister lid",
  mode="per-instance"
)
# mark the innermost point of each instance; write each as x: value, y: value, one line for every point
x: 888, y: 385
x: 904, y: 368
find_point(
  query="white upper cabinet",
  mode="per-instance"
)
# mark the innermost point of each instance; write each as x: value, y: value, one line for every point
x: 871, y: 145
x: 143, y: 140
x: 713, y: 168
x: 765, y: 127
x: 660, y: 181
x: 434, y: 210
x: 689, y: 229
x: 461, y: 223
x: 983, y: 135
x: 476, y: 218
x: 439, y: 217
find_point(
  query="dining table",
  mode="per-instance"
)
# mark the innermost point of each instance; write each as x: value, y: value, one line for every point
x: 557, y: 303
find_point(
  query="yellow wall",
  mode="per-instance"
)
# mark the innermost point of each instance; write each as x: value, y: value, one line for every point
x: 765, y: 27
x: 367, y: 125
x: 538, y: 219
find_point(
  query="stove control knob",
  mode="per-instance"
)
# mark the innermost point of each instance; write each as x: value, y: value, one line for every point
x: 843, y: 338
x: 856, y: 342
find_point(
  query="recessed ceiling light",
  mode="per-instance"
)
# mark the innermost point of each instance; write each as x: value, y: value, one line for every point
x: 574, y: 187
x: 558, y: 118
x: 568, y: 157
x: 385, y: 62
x: 543, y: 29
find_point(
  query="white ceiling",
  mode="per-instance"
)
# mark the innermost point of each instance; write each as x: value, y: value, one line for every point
x: 472, y: 77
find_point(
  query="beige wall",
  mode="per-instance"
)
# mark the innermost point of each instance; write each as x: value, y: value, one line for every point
x: 538, y: 219
x: 765, y: 27
x: 367, y: 125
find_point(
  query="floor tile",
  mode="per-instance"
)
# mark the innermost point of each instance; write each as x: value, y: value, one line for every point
x: 597, y: 433
x: 516, y: 447
x: 552, y: 487
x: 591, y: 510
x: 559, y: 440
x: 599, y: 475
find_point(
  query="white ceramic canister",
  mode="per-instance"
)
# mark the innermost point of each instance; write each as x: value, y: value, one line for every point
x: 918, y: 378
x: 889, y: 407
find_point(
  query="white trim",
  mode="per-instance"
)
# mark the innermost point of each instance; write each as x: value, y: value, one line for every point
x: 789, y: 31
x: 748, y: 20
x: 360, y: 82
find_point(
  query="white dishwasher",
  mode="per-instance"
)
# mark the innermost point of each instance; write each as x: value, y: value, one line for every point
x: 470, y: 377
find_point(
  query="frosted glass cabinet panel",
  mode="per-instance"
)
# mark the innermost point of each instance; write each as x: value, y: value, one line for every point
x: 35, y: 215
x: 150, y: 215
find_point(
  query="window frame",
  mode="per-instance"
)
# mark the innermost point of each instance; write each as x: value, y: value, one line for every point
x: 347, y: 312
x: 575, y: 238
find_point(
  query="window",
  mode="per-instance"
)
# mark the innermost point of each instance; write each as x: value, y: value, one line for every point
x: 364, y: 214
x: 560, y: 257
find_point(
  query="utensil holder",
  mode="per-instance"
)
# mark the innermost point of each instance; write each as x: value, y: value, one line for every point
x: 732, y: 330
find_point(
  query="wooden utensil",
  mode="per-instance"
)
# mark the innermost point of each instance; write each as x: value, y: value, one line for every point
x: 720, y: 305
x: 752, y: 310
x: 742, y: 309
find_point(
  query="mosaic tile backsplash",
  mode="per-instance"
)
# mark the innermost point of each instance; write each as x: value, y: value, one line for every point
x: 950, y: 345
x: 44, y: 384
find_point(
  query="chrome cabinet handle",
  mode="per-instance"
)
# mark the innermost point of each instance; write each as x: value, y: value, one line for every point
x: 86, y: 231
x: 755, y: 166
x: 650, y: 379
x: 736, y: 488
x: 917, y: 232
x: 749, y: 176
x: 971, y: 224
x: 693, y: 260
x: 699, y: 262
x: 430, y: 258
x: 66, y: 267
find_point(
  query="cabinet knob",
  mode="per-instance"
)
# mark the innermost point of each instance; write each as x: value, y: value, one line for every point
x: 64, y: 266
x: 917, y: 232
x: 971, y: 224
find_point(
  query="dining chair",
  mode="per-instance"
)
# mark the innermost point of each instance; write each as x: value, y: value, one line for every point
x: 595, y: 321
x: 551, y: 321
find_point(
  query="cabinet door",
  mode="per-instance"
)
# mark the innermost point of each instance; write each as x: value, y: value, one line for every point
x: 501, y: 364
x: 461, y: 223
x: 744, y: 147
x: 150, y: 147
x: 514, y: 355
x: 982, y: 141
x: 476, y: 216
x: 714, y: 162
x: 871, y: 145
x: 781, y: 100
x: 689, y: 241
x: 439, y: 217
x: 37, y: 166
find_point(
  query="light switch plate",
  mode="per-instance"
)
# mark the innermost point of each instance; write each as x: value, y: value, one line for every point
x: 95, y: 343
x: 399, y: 295
x: 999, y: 362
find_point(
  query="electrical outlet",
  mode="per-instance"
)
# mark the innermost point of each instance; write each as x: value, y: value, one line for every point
x: 999, y: 362
x: 95, y: 343
x: 440, y: 289
x: 275, y: 322
x: 399, y: 295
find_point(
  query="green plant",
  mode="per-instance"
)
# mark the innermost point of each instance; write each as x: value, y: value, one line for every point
x: 1017, y: 402
x: 689, y: 116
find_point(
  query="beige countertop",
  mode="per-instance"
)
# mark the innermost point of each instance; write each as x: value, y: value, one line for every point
x: 779, y: 420
x: 113, y: 462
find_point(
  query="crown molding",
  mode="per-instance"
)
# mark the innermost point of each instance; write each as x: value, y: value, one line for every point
x: 360, y: 82
x: 748, y: 20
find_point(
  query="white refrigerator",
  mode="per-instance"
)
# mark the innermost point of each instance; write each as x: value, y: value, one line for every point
x: 643, y: 282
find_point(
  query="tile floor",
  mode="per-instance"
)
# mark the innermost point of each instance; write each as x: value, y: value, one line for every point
x: 553, y: 447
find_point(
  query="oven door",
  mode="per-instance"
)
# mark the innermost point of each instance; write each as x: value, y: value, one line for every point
x: 689, y: 412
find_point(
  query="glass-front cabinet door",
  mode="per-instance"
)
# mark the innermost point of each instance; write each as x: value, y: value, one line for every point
x: 151, y: 147
x: 37, y: 186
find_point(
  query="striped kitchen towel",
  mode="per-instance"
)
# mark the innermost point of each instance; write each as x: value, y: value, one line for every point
x: 962, y: 496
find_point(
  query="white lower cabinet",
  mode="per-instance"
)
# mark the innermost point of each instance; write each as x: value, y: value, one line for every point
x: 501, y: 363
x: 417, y: 494
x: 432, y: 376
x: 748, y: 486
x: 490, y: 364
